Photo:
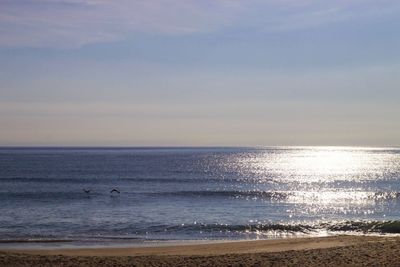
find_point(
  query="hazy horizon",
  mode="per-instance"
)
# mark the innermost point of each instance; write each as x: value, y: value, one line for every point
x: 199, y: 73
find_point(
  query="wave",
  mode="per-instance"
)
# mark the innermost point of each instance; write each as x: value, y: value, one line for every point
x: 84, y: 180
x: 239, y: 228
x: 215, y: 231
x: 273, y: 195
x: 47, y: 196
x: 35, y: 240
x: 297, y: 196
x: 392, y: 227
x: 285, y: 195
x: 364, y: 227
x: 385, y: 195
x: 79, y: 194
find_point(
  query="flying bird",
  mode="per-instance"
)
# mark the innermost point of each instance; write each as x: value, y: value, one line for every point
x: 115, y: 190
x: 87, y: 191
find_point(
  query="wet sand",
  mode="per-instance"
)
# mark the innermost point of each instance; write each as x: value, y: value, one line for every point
x: 318, y: 251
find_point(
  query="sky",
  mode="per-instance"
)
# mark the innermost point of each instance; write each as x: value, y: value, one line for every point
x: 199, y: 73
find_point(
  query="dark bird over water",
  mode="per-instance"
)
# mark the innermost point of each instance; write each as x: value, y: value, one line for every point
x: 114, y: 190
x: 87, y: 191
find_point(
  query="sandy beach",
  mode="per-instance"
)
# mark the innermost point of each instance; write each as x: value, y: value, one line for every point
x: 318, y: 251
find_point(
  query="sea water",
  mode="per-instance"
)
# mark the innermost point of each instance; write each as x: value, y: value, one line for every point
x: 196, y: 193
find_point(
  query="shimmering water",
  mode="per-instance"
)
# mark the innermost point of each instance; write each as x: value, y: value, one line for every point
x: 197, y: 193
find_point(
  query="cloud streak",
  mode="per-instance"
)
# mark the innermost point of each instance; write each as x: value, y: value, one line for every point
x: 74, y: 23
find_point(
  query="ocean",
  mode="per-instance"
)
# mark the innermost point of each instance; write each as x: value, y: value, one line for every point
x: 196, y: 193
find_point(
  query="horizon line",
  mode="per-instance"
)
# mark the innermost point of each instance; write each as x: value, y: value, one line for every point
x: 190, y: 146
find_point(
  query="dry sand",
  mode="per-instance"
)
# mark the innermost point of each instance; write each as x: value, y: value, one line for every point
x: 322, y: 251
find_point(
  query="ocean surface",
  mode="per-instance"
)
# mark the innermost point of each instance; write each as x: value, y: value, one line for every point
x: 196, y: 193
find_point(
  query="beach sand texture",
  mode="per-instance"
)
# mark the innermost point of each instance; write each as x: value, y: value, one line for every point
x: 319, y: 251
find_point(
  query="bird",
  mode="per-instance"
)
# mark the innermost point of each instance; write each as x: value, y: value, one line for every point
x: 115, y: 190
x: 87, y: 191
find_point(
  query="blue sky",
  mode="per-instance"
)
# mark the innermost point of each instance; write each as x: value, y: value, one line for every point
x: 96, y: 72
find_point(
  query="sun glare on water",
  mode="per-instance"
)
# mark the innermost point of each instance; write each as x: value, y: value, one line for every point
x: 321, y: 174
x: 323, y: 163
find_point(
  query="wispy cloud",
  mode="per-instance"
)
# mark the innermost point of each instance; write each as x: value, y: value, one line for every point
x: 73, y: 23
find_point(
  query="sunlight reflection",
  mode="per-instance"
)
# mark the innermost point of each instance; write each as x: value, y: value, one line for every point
x: 316, y: 164
x: 317, y: 175
x: 323, y: 197
x: 326, y: 162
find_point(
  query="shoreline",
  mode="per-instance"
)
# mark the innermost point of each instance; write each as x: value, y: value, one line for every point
x: 187, y: 247
x: 314, y: 251
x: 193, y: 247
